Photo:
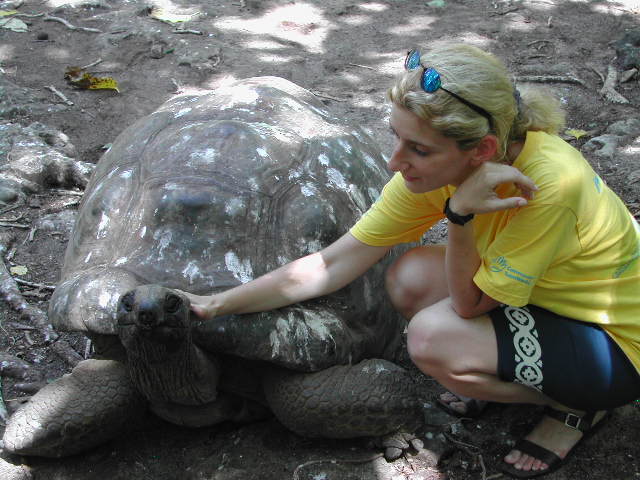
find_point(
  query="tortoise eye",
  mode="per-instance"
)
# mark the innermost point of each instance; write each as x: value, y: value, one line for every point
x: 172, y: 303
x: 127, y: 301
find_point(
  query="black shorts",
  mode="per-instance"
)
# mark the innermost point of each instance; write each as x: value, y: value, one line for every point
x: 572, y: 362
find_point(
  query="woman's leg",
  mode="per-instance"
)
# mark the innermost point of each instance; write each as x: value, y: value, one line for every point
x: 462, y: 353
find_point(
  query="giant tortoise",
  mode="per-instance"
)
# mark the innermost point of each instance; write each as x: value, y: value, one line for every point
x: 208, y: 192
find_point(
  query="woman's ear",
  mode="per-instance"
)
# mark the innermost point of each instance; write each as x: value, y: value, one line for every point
x: 485, y: 150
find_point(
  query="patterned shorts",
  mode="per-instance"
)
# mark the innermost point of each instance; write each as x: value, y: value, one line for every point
x: 572, y: 362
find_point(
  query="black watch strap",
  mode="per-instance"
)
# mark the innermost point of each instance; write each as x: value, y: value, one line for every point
x: 454, y: 217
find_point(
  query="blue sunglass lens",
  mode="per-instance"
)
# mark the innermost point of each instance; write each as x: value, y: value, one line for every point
x: 413, y: 60
x: 430, y: 80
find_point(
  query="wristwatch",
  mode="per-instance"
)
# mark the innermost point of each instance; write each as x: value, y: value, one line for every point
x: 454, y: 217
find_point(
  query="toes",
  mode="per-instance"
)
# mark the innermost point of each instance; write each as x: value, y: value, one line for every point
x: 449, y: 397
x: 513, y: 456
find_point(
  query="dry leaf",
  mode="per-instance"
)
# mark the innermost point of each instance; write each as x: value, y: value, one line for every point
x: 4, y: 13
x: 14, y: 24
x: 80, y: 79
x: 576, y: 133
x: 18, y: 270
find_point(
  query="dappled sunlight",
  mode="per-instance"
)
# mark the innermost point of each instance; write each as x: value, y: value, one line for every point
x: 6, y: 52
x: 58, y: 53
x: 414, y: 26
x: 373, y: 7
x: 309, y: 29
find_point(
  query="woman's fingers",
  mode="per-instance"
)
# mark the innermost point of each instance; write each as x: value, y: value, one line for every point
x: 199, y: 304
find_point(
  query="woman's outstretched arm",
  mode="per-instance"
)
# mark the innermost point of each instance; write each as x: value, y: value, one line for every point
x: 308, y: 277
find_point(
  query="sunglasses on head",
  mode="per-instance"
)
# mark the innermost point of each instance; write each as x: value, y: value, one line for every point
x: 430, y: 82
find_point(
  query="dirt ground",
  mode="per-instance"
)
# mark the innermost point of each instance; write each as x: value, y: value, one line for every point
x: 346, y: 52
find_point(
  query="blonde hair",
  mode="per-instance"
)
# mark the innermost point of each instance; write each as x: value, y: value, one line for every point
x: 482, y: 79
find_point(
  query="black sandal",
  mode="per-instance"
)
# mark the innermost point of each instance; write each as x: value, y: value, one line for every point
x: 585, y: 423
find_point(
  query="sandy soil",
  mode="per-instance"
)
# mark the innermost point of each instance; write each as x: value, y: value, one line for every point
x: 346, y: 52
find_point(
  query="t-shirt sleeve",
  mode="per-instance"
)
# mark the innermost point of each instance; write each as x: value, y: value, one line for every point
x: 399, y: 216
x: 536, y: 237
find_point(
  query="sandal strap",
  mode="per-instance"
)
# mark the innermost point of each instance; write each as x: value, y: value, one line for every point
x: 538, y: 452
x: 582, y: 423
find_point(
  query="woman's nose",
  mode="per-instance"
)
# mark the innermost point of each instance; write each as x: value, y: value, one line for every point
x: 397, y: 162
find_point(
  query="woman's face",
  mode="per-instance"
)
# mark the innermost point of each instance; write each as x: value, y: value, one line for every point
x: 426, y: 159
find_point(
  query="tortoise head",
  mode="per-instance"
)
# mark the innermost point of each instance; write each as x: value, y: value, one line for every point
x: 153, y: 318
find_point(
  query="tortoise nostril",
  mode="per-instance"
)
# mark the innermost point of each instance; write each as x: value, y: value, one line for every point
x: 146, y: 319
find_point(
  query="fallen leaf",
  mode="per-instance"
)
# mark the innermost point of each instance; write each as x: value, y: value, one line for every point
x: 80, y: 79
x: 18, y: 270
x: 576, y: 133
x: 437, y: 3
x: 4, y: 13
x: 14, y: 24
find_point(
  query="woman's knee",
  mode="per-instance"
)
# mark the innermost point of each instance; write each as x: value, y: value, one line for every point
x: 423, y: 337
x: 417, y: 279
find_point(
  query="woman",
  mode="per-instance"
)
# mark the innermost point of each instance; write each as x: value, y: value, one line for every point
x: 536, y: 296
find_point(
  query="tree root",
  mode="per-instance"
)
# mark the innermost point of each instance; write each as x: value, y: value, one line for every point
x: 550, y: 79
x: 608, y: 89
x: 11, y: 294
x: 49, y: 18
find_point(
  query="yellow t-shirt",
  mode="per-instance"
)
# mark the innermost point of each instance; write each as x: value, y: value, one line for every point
x: 573, y: 250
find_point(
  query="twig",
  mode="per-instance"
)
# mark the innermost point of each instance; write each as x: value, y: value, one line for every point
x: 14, y: 219
x: 49, y: 18
x: 177, y: 85
x: 334, y: 461
x: 550, y: 79
x: 4, y: 414
x: 608, y: 89
x: 322, y: 95
x: 549, y: 20
x: 504, y: 12
x: 32, y: 234
x: 530, y: 44
x: 628, y: 75
x: 495, y: 475
x: 361, y: 66
x: 484, y: 469
x: 91, y: 64
x: 87, y: 348
x: 13, y: 225
x: 28, y: 15
x: 59, y: 191
x: 474, y: 449
x: 59, y: 94
x: 186, y: 30
x: 42, y: 286
x: 592, y: 67
x: 21, y: 326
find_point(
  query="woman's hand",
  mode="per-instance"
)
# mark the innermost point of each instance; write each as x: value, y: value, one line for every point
x: 204, y: 306
x: 477, y: 193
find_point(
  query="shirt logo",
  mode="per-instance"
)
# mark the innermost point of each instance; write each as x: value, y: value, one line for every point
x: 500, y: 264
x: 598, y: 183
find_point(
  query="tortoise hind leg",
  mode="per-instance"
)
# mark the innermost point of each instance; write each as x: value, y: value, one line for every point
x: 372, y: 398
x: 79, y: 411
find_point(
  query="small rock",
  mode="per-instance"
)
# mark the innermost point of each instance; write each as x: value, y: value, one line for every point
x: 8, y: 195
x: 628, y: 49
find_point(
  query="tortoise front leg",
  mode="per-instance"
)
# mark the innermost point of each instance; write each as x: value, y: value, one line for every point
x: 79, y: 411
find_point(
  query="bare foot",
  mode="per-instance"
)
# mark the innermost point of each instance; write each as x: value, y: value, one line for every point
x: 552, y: 435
